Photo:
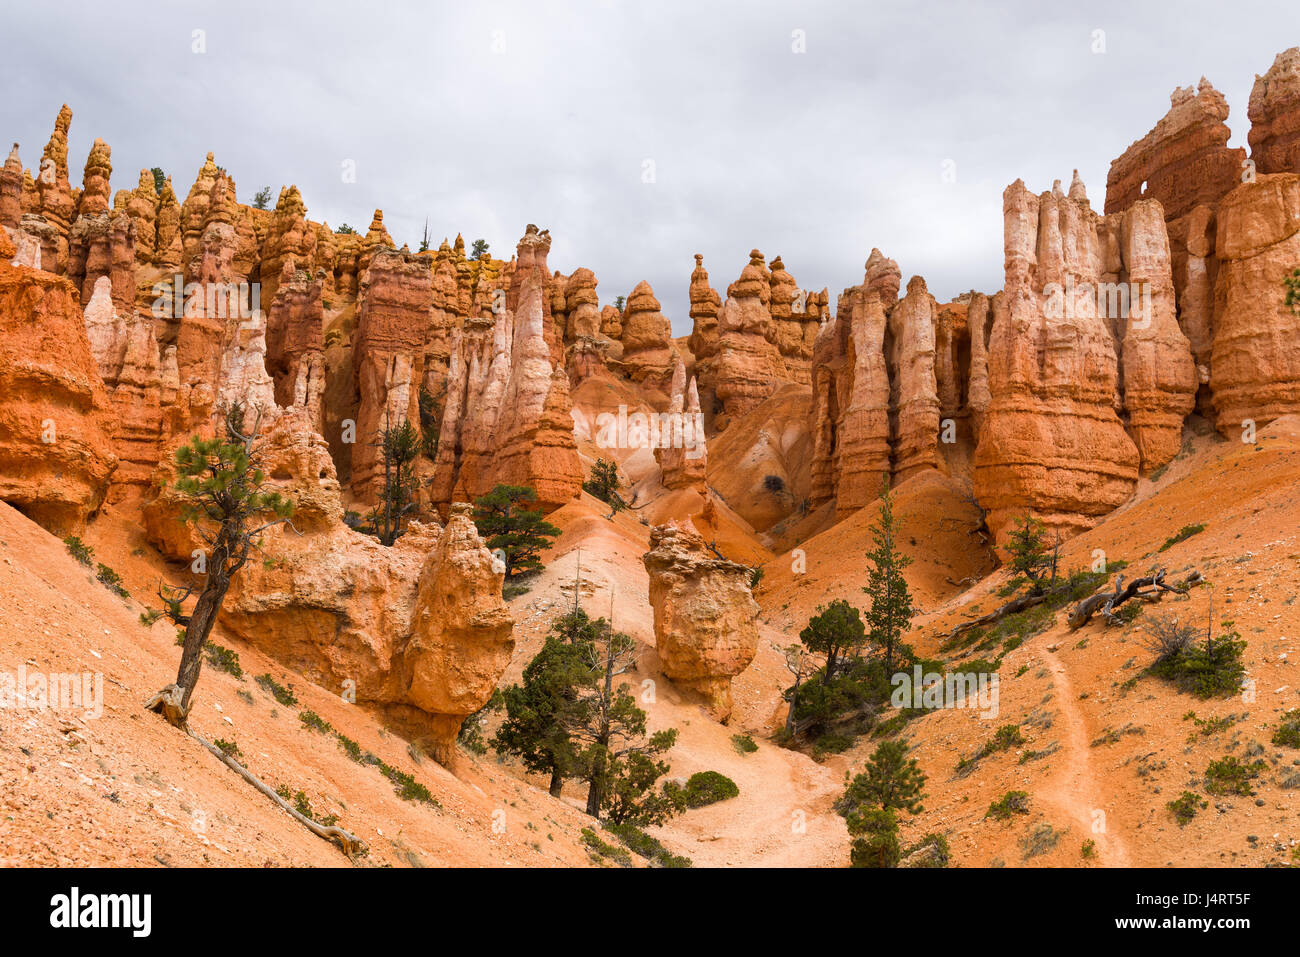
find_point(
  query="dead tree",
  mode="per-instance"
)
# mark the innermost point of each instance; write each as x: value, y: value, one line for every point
x: 1010, y: 608
x: 1148, y: 588
x: 172, y: 599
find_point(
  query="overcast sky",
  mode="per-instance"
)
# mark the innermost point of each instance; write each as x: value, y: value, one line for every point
x: 484, y: 117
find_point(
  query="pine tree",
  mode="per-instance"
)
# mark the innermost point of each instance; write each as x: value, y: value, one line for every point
x: 837, y: 632
x: 263, y: 198
x: 159, y: 179
x: 225, y: 499
x: 541, y: 712
x: 509, y: 527
x: 479, y: 250
x: 1030, y: 559
x: 617, y: 758
x: 399, y: 445
x: 891, y: 610
x: 891, y: 782
x: 604, y: 485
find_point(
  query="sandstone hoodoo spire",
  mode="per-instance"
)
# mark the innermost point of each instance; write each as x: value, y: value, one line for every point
x: 914, y: 395
x: 55, y: 417
x: 11, y: 192
x: 704, y: 339
x: 749, y: 368
x: 508, y: 414
x: 647, y: 339
x: 851, y: 425
x: 683, y: 457
x: 1052, y: 442
x: 1255, y: 363
x: 388, y: 358
x: 1274, y: 113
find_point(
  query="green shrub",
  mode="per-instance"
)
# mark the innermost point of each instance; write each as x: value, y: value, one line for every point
x: 1128, y: 612
x: 1288, y: 732
x: 149, y: 616
x: 646, y: 846
x: 708, y: 787
x: 1009, y: 805
x: 1182, y: 535
x: 408, y: 789
x: 1089, y: 849
x: 929, y: 852
x: 831, y: 743
x: 311, y: 719
x: 1210, y: 669
x: 350, y: 747
x: 223, y: 659
x: 743, y: 743
x: 1185, y: 807
x: 600, y: 850
x: 112, y: 580
x: 877, y: 842
x: 229, y: 748
x: 1231, y: 775
x: 79, y: 550
x: 1005, y: 738
x: 278, y: 691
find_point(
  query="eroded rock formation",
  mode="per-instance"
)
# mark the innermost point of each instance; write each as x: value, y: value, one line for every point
x: 508, y: 416
x: 1255, y: 373
x: 1158, y: 374
x: 705, y: 617
x: 1052, y: 442
x: 418, y: 630
x: 1274, y: 113
x: 683, y: 457
x: 55, y: 416
x: 748, y: 367
x: 914, y: 392
x: 647, y: 339
x: 388, y: 358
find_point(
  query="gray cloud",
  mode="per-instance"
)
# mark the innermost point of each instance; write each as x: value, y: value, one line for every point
x: 483, y: 117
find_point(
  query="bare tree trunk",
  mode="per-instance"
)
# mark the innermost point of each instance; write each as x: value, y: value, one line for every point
x: 557, y: 783
x: 794, y: 700
x: 196, y: 633
x: 594, y: 787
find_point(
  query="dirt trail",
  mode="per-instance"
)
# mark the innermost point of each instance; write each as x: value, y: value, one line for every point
x: 1073, y: 788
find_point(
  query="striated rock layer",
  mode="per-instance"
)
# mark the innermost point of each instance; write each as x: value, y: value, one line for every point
x: 388, y: 358
x: 748, y: 367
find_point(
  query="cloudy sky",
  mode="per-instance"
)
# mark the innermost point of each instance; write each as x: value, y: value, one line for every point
x: 639, y: 133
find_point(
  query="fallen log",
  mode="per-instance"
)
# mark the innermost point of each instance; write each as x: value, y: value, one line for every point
x: 1148, y: 588
x: 168, y: 703
x: 1010, y: 608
